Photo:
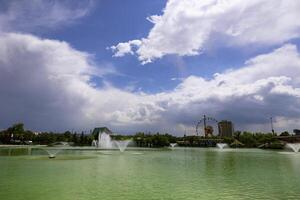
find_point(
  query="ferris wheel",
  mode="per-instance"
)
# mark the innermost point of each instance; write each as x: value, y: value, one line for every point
x: 205, y: 127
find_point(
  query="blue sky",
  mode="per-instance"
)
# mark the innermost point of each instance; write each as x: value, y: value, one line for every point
x: 110, y: 22
x: 149, y: 65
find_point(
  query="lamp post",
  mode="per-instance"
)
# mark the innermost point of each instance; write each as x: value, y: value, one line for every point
x: 204, y: 123
x: 272, y: 127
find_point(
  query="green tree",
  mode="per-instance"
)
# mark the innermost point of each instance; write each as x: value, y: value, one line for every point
x: 285, y: 133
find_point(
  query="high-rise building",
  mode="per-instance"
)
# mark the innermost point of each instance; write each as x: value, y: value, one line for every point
x: 225, y: 128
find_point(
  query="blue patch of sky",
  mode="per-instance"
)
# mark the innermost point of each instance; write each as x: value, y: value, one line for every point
x: 114, y: 21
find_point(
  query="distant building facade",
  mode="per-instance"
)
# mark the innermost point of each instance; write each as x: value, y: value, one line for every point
x: 296, y: 131
x: 225, y: 128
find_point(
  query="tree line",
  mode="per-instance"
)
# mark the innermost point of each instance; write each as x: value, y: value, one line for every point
x: 16, y: 134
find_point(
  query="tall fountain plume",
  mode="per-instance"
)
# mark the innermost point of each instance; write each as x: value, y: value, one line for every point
x: 104, y: 141
x: 294, y: 146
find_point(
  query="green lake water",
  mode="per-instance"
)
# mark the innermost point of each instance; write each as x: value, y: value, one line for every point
x: 182, y: 173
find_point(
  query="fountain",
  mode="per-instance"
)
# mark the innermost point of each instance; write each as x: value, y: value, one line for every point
x: 122, y: 144
x: 104, y: 141
x: 221, y: 145
x: 57, y: 147
x: 172, y: 145
x: 52, y: 152
x: 294, y: 146
x: 94, y: 143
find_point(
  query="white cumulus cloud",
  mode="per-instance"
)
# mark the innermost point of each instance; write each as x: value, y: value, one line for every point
x: 125, y: 48
x: 49, y: 85
x: 188, y: 27
x: 267, y: 85
x: 46, y: 83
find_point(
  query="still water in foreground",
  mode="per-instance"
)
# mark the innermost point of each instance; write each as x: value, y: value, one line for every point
x: 161, y: 174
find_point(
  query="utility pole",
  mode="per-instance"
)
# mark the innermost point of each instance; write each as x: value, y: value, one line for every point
x: 204, y: 123
x: 272, y: 127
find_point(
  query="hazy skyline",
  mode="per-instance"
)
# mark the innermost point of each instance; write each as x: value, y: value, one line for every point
x: 149, y: 65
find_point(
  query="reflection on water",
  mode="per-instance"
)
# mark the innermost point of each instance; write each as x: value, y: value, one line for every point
x: 13, y: 151
x: 61, y: 157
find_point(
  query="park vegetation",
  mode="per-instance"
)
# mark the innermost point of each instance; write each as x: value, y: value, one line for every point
x: 16, y: 134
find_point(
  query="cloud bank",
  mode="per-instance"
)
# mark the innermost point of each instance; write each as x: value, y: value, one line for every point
x: 47, y: 83
x: 37, y: 15
x: 188, y: 27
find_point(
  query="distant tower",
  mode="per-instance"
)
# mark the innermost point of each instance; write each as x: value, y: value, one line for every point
x: 225, y: 128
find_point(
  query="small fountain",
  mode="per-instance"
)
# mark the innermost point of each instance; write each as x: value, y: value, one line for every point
x: 294, y: 146
x: 94, y: 143
x: 122, y: 144
x: 56, y: 148
x: 172, y: 145
x: 221, y: 145
x: 52, y: 152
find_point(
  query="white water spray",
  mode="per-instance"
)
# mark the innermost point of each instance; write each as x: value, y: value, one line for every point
x: 52, y: 152
x: 172, y: 145
x: 221, y: 145
x: 105, y: 142
x: 294, y: 146
x: 122, y: 144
